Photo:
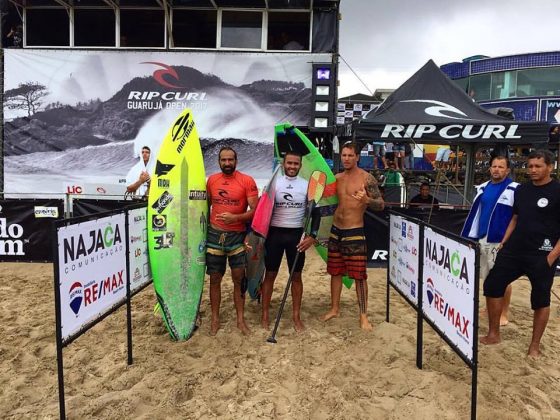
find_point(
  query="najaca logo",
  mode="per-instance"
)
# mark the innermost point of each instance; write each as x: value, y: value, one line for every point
x: 452, y: 262
x: 96, y: 240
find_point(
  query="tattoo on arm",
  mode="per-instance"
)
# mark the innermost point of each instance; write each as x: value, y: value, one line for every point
x: 376, y: 201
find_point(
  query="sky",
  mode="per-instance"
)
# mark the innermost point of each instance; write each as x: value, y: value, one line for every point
x: 387, y: 41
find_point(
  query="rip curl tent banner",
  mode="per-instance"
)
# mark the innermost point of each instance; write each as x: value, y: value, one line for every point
x: 430, y: 108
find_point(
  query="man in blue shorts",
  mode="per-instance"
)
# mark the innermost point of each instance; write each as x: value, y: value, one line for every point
x: 379, y: 153
x: 398, y: 149
x: 531, y: 247
x: 286, y: 235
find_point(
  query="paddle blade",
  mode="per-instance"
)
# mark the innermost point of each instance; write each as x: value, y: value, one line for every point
x: 316, y: 188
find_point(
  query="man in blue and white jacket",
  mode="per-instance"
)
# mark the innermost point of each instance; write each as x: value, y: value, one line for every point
x: 489, y: 218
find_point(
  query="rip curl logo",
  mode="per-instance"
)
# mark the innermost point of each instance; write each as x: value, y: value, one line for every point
x: 439, y: 108
x: 223, y: 193
x: 167, y: 72
x: 288, y: 197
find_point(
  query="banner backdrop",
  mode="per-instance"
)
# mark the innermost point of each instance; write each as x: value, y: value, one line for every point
x: 449, y: 283
x: 77, y: 117
x: 25, y: 229
x: 88, y: 206
x: 91, y: 271
x: 404, y: 262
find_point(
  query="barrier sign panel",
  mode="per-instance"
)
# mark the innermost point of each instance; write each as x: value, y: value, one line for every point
x: 138, y: 236
x: 91, y: 270
x: 404, y: 257
x: 449, y: 287
x: 25, y: 233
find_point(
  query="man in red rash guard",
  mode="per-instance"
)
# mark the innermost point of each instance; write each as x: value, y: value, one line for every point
x: 229, y: 194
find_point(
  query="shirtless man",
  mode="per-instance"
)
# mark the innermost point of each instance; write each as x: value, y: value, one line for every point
x: 356, y: 190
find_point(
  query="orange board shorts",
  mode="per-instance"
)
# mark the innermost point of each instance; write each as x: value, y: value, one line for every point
x: 347, y: 253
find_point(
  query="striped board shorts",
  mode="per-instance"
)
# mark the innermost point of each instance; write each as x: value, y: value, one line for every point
x: 222, y: 246
x: 347, y: 253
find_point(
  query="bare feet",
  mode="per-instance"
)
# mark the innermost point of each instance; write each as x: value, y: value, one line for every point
x: 330, y: 315
x: 503, y: 321
x: 490, y: 339
x: 364, y: 323
x: 298, y: 325
x: 214, y: 326
x: 534, y: 351
x: 243, y: 328
x: 265, y: 323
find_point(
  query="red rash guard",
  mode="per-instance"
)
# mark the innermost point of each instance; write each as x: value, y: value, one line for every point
x: 229, y: 193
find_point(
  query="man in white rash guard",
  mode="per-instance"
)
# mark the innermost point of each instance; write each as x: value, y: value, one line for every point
x: 286, y: 234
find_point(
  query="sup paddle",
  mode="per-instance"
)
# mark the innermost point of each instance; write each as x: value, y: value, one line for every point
x: 315, y: 190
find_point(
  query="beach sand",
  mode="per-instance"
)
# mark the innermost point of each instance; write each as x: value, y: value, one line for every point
x: 331, y: 371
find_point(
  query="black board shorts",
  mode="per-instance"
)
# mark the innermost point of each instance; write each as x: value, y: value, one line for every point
x: 279, y: 240
x: 510, y: 267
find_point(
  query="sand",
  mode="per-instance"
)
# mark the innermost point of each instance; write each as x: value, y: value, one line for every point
x: 331, y: 371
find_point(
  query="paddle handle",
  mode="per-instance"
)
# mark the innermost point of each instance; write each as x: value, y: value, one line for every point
x: 272, y: 338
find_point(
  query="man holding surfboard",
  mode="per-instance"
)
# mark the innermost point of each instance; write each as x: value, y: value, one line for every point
x: 347, y: 254
x: 286, y: 234
x: 230, y: 192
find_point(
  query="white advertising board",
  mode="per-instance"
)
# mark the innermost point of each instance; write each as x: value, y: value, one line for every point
x: 404, y: 256
x: 91, y: 270
x: 140, y: 274
x: 449, y: 289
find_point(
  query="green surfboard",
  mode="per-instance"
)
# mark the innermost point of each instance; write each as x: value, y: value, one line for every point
x: 287, y: 137
x: 177, y: 222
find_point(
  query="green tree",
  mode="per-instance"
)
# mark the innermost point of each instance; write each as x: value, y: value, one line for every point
x: 26, y: 96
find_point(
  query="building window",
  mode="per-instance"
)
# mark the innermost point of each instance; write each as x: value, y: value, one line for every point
x: 288, y: 31
x: 538, y: 82
x: 47, y: 27
x: 194, y: 28
x: 463, y: 83
x: 479, y: 87
x: 241, y: 29
x: 94, y: 28
x: 504, y: 84
x: 142, y: 28
x: 289, y: 4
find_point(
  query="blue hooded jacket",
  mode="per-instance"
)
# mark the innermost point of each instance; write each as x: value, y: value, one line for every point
x: 499, y: 219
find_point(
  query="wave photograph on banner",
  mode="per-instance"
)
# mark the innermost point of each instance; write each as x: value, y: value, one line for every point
x: 82, y: 117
